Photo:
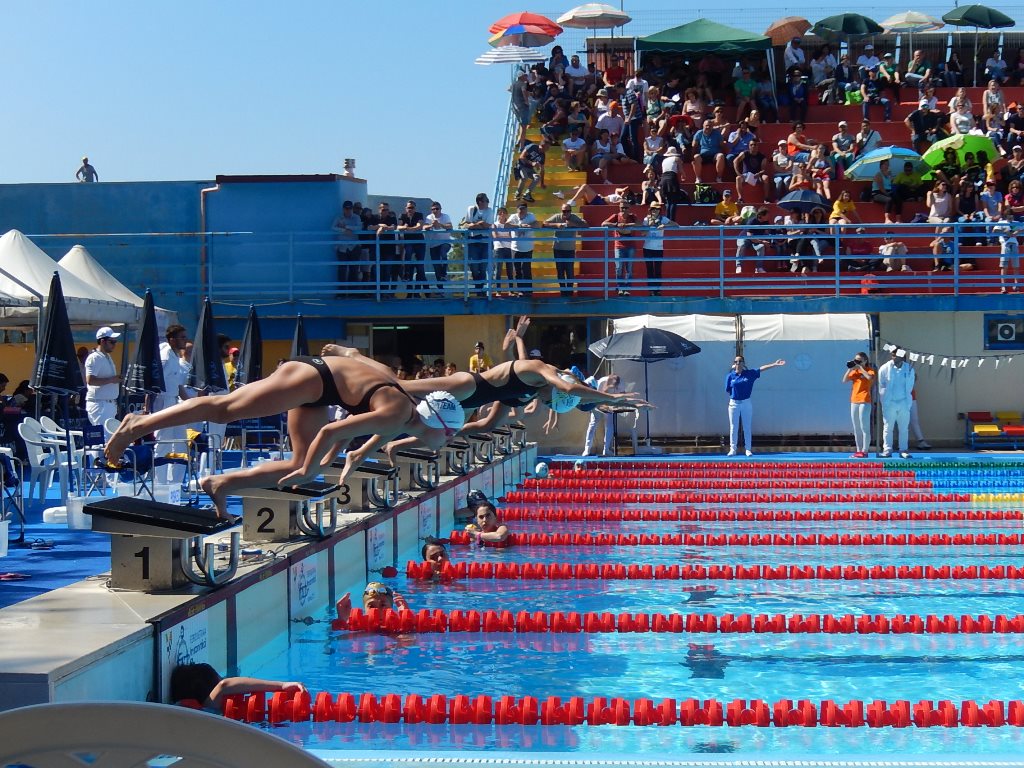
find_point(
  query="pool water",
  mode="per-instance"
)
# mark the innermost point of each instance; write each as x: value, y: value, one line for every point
x: 722, y: 666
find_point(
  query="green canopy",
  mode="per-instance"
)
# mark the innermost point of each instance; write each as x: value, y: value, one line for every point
x: 703, y: 36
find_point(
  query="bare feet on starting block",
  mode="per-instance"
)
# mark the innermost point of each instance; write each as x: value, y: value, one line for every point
x: 120, y: 440
x: 213, y: 486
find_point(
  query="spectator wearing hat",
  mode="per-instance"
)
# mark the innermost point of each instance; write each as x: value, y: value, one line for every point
x: 843, y: 149
x: 86, y: 172
x: 669, y: 188
x: 654, y: 245
x: 535, y: 354
x: 871, y: 95
x: 479, y: 361
x: 794, y: 58
x: 727, y: 211
x: 564, y: 225
x: 867, y: 61
x: 925, y: 125
x: 887, y: 71
x: 101, y: 378
x: 783, y: 166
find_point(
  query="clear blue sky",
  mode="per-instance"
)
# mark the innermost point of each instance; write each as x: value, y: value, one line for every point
x: 190, y: 89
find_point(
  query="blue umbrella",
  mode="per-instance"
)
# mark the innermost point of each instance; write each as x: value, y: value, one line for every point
x: 803, y: 200
x: 865, y: 168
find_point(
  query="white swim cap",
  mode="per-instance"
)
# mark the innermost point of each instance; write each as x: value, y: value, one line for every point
x: 440, y: 410
x: 563, y: 402
x: 541, y: 470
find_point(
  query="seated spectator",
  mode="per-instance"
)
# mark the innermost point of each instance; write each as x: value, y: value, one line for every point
x: 961, y: 121
x: 719, y: 120
x: 23, y: 397
x: 744, y: 89
x: 604, y: 151
x: 753, y: 238
x: 995, y: 129
x: 576, y: 76
x: 953, y: 72
x: 949, y: 170
x: 799, y: 244
x: 202, y: 683
x: 753, y: 168
x: 783, y: 167
x: 558, y: 125
x: 883, y: 191
x: 654, y: 151
x: 764, y: 97
x: 801, y: 178
x: 558, y: 63
x: 867, y: 138
x: 821, y: 172
x: 894, y: 252
x: 1013, y: 201
x: 843, y: 149
x: 727, y: 211
x: 601, y: 103
x: 958, y: 98
x: 797, y: 96
x: 653, y: 106
x: 615, y: 74
x: 823, y: 64
x: 579, y: 118
x: 1015, y: 126
x: 574, y: 150
x: 798, y: 146
x: 1014, y: 168
x: 648, y: 187
x: 908, y: 185
x: 942, y: 254
x: 991, y: 200
x: 942, y: 203
x: 992, y: 97
x: 860, y: 250
x: 612, y: 120
x: 888, y: 74
x: 919, y: 71
x: 738, y: 141
x: 995, y: 67
x: 695, y: 107
x: 871, y: 95
x: 977, y: 168
x: 867, y: 61
x: 844, y: 210
x: 708, y: 146
x: 969, y: 208
x: 925, y: 125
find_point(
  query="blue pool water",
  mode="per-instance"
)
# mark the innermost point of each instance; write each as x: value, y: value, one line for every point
x: 689, y: 665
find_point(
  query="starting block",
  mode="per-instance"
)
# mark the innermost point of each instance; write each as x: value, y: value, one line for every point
x: 518, y: 430
x: 482, y: 444
x: 155, y: 546
x: 502, y: 440
x: 417, y: 469
x: 280, y: 514
x: 374, y: 485
x: 458, y: 457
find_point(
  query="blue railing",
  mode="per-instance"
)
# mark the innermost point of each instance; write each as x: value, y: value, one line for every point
x: 507, y: 154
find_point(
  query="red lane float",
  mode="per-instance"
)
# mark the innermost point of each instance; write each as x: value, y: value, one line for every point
x: 578, y: 481
x: 620, y: 497
x: 424, y: 621
x: 577, y: 710
x: 689, y: 572
x: 753, y: 540
x: 561, y: 514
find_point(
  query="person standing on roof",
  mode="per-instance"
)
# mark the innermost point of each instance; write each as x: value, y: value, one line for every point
x: 87, y: 173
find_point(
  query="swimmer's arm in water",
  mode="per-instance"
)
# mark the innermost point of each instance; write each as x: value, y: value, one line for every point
x: 230, y: 686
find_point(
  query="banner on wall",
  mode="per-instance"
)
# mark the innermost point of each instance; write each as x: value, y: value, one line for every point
x: 184, y: 643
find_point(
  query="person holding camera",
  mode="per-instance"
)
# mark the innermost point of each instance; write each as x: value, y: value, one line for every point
x: 861, y: 375
x: 739, y: 383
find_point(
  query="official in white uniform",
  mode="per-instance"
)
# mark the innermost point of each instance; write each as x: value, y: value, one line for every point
x: 610, y: 383
x: 176, y: 372
x: 895, y: 383
x: 102, y: 379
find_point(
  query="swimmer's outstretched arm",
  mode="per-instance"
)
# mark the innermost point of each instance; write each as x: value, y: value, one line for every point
x: 230, y: 686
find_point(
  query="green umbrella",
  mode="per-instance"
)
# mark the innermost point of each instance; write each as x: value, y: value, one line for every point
x: 977, y: 16
x: 847, y: 25
x: 962, y: 143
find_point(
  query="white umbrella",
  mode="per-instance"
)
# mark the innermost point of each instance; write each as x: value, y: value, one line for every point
x: 594, y: 16
x: 911, y: 22
x: 510, y: 54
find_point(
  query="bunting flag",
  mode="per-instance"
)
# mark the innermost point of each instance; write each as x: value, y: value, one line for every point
x: 936, y: 362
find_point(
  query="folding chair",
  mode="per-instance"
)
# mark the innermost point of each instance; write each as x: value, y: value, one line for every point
x: 12, y: 491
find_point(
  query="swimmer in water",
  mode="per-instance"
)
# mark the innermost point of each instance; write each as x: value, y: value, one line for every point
x: 435, y: 552
x: 486, y: 528
x: 202, y: 683
x: 376, y: 595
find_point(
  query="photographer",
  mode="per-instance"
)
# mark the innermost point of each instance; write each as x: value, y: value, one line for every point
x: 862, y: 376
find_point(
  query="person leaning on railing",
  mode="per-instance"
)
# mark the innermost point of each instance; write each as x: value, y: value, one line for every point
x: 564, y: 225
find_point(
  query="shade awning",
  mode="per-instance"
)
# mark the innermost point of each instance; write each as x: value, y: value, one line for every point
x: 704, y: 36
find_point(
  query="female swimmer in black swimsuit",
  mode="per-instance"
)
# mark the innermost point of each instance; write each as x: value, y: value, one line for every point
x: 305, y: 388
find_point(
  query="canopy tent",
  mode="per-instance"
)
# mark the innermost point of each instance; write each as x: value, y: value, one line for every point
x: 26, y: 275
x: 704, y: 36
x: 804, y: 397
x: 83, y: 264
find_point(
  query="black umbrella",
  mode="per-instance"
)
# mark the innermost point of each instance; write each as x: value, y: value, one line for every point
x: 207, y: 363
x: 977, y: 16
x: 644, y: 345
x: 249, y: 367
x: 300, y: 344
x: 844, y: 26
x: 146, y: 372
x: 57, y: 371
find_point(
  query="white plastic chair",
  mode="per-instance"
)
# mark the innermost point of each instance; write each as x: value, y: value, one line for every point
x: 56, y: 458
x: 105, y: 734
x: 41, y: 458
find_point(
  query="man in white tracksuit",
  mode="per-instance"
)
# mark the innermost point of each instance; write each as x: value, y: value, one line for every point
x: 895, y: 382
x: 610, y: 383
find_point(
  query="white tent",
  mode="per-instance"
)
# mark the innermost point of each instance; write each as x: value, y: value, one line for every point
x: 83, y: 264
x: 805, y: 396
x: 32, y: 270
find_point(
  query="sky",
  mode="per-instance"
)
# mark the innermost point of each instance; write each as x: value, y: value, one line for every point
x: 161, y: 90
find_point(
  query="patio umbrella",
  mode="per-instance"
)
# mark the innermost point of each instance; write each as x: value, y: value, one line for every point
x: 300, y: 344
x: 644, y: 345
x: 523, y: 35
x: 911, y: 22
x: 594, y: 16
x: 510, y: 54
x: 962, y: 143
x: 785, y: 29
x: 525, y: 17
x: 844, y: 26
x: 250, y: 355
x: 146, y: 372
x: 803, y: 200
x: 977, y: 16
x: 866, y: 166
x: 207, y: 364
x: 56, y: 370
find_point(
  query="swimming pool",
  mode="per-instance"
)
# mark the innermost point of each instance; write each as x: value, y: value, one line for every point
x: 782, y: 560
